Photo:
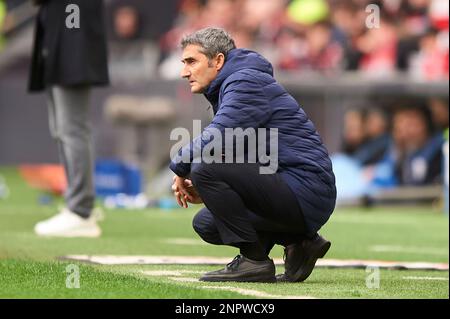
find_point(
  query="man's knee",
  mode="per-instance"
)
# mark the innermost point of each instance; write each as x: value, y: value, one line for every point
x: 202, y: 222
x: 204, y: 226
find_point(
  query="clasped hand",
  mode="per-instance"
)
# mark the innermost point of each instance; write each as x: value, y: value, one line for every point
x: 185, y: 192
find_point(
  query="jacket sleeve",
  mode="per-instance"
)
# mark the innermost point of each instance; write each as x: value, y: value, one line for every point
x: 244, y: 105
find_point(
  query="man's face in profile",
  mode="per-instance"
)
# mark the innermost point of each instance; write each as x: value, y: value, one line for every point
x: 198, y: 69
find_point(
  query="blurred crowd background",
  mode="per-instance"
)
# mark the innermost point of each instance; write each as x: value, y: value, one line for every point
x: 378, y: 95
x: 327, y: 36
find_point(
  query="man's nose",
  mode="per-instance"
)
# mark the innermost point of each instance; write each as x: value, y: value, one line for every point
x: 185, y: 73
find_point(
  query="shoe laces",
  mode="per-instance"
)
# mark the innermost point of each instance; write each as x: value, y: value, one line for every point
x: 287, y: 265
x: 235, y: 262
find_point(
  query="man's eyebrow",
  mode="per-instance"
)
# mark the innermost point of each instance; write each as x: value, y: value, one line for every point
x: 188, y: 59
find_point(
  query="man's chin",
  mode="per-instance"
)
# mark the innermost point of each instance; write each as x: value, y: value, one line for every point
x: 197, y: 90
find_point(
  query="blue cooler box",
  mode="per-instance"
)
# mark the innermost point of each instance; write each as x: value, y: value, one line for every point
x: 114, y: 177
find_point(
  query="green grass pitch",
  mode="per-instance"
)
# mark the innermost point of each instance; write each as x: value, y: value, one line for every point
x: 29, y: 268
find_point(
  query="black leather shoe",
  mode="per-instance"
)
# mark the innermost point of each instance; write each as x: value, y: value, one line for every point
x: 300, y: 258
x: 243, y: 269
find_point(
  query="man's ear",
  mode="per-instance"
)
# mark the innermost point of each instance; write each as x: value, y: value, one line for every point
x: 220, y: 61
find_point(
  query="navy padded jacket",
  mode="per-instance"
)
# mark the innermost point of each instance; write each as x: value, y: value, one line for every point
x: 245, y: 95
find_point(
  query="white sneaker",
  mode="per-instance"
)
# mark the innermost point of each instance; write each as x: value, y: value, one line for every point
x: 68, y: 224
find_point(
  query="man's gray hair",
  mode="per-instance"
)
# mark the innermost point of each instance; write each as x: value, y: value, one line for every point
x: 212, y: 40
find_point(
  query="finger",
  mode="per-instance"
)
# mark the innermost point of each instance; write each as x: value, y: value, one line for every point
x: 179, y: 201
x: 179, y: 197
x: 184, y: 191
x: 174, y: 187
x: 182, y: 186
x: 183, y: 199
x: 188, y: 196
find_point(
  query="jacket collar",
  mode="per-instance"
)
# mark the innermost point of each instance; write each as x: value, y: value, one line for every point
x: 237, y: 59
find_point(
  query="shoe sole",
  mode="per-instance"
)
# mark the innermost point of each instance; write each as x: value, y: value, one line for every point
x: 271, y: 279
x: 303, y: 273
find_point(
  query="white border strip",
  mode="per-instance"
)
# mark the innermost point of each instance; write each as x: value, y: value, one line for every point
x: 202, y: 260
x: 254, y: 293
x: 425, y: 278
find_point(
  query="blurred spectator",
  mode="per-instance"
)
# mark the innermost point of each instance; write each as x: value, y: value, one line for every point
x: 376, y: 123
x: 439, y: 14
x: 415, y: 152
x: 323, y: 53
x: 423, y: 46
x: 346, y: 21
x: 349, y: 23
x: 378, y: 49
x: 131, y: 57
x: 126, y: 23
x: 431, y: 62
x: 439, y: 113
x: 366, y: 135
x: 290, y: 48
x: 154, y: 20
x: 189, y: 12
x: 315, y: 49
x: 353, y: 133
x: 189, y: 19
x: 220, y: 13
x: 414, y: 15
x: 261, y: 21
x: 376, y: 142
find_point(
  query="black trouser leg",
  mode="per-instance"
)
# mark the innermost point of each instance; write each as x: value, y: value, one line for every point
x: 244, y: 206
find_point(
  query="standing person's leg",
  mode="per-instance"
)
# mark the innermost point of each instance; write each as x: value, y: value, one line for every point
x: 75, y: 146
x: 70, y: 126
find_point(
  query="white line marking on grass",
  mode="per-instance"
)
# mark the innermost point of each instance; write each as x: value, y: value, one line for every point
x: 254, y: 293
x: 425, y: 278
x: 335, y: 263
x: 162, y: 273
x: 242, y: 291
x: 184, y: 279
x: 170, y: 272
x: 202, y: 260
x: 410, y: 250
x: 176, y: 276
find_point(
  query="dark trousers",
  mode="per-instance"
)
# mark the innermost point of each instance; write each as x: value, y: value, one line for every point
x: 244, y: 206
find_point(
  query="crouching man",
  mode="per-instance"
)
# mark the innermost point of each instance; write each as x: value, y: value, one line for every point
x: 246, y: 205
